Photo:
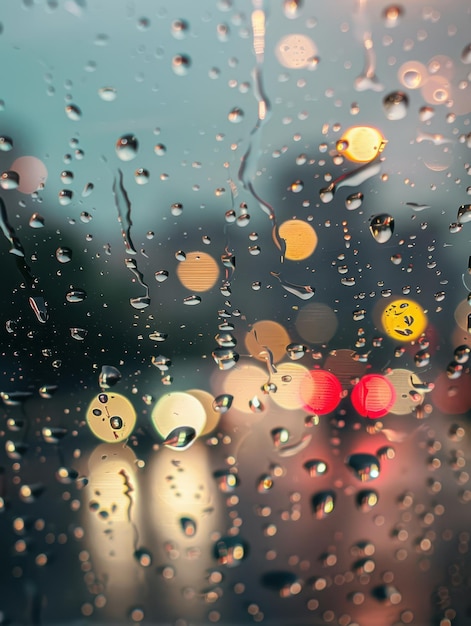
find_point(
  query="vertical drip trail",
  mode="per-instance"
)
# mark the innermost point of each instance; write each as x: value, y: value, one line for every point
x: 367, y: 79
x: 249, y: 161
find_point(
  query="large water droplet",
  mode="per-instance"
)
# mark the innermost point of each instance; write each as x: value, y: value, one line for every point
x: 161, y: 362
x: 315, y: 467
x: 39, y: 306
x: 395, y: 105
x: 36, y: 221
x: 230, y: 551
x: 222, y: 403
x: 64, y: 255
x: 6, y: 144
x: 109, y: 376
x: 366, y: 500
x: 9, y: 180
x: 161, y: 276
x: 323, y: 503
x: 365, y: 466
x: 181, y: 64
x: 127, y: 147
x: 466, y: 54
x: 108, y: 94
x: 75, y: 295
x: 286, y: 584
x: 225, y: 357
x: 382, y: 227
x: 461, y: 354
x: 192, y: 300
x: 236, y: 115
x: 280, y: 436
x: 143, y: 557
x: 296, y: 351
x: 226, y: 481
x: 188, y: 526
x: 464, y: 214
x: 354, y: 201
x: 73, y: 112
x: 77, y: 333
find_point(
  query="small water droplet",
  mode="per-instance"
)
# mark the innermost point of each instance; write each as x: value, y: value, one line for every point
x: 78, y: 334
x: 296, y: 351
x: 181, y: 64
x: 265, y: 483
x: 108, y: 94
x: 179, y: 29
x: 392, y: 15
x: 141, y: 176
x: 255, y: 405
x: 188, y: 526
x: 158, y: 336
x: 127, y: 147
x: 426, y: 113
x: 180, y: 255
x: 422, y: 358
x: 354, y: 201
x: 365, y: 466
x: 464, y: 214
x: 161, y: 276
x: 73, y: 112
x: 143, y: 557
x: 109, y: 376
x: 36, y: 221
x: 9, y: 180
x: 323, y: 504
x: 280, y: 436
x: 454, y: 370
x: 53, y: 434
x: 192, y: 300
x: 315, y: 467
x: 76, y: 295
x: 461, y: 354
x: 6, y: 144
x: 367, y: 500
x: 236, y: 115
x: 222, y: 403
x: 180, y: 437
x: 382, y: 227
x: 176, y: 209
x: 466, y: 54
x: 65, y: 197
x: 226, y: 481
x: 395, y: 105
x: 297, y: 186
x: 225, y: 358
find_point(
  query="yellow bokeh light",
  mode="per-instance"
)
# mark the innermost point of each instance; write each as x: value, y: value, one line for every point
x: 199, y: 272
x: 267, y: 334
x: 404, y: 320
x: 296, y: 51
x: 361, y: 144
x: 300, y: 237
x: 288, y: 379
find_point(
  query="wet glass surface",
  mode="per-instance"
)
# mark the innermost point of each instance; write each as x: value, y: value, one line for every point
x: 235, y: 322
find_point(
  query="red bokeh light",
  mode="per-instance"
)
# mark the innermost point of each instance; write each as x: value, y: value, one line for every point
x: 373, y: 396
x: 320, y: 391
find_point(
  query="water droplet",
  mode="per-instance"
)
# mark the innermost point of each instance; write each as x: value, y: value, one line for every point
x: 243, y: 220
x: 222, y: 403
x: 143, y: 557
x: 36, y: 221
x: 323, y: 504
x: 140, y: 302
x: 75, y: 295
x: 47, y: 391
x: 66, y: 475
x: 226, y: 340
x: 141, y: 176
x: 236, y: 115
x: 39, y: 306
x: 230, y: 216
x: 264, y: 483
x: 188, y: 526
x: 286, y: 584
x: 6, y: 144
x: 226, y: 481
x: 464, y: 214
x: 180, y: 437
x: 109, y: 376
x: 87, y: 190
x: 181, y: 64
x: 108, y: 94
x: 127, y: 147
x: 73, y: 112
x: 395, y: 105
x: 192, y: 300
x: 161, y: 362
x: 422, y: 358
x: 297, y: 186
x: 9, y: 180
x: 53, y: 434
x: 161, y: 276
x: 296, y: 351
x: 179, y: 29
x: 354, y: 201
x: 64, y: 255
x: 315, y: 467
x: 225, y: 358
x: 454, y: 370
x: 160, y: 149
x: 65, y: 197
x: 466, y: 54
x: 180, y: 255
x: 382, y: 227
x: 15, y: 398
x: 158, y: 336
x: 461, y: 354
x: 367, y: 500
x: 255, y: 405
x: 15, y: 449
x: 365, y: 466
x: 230, y: 551
x: 30, y: 493
x: 280, y: 436
x: 387, y: 594
x: 392, y: 15
x: 78, y: 334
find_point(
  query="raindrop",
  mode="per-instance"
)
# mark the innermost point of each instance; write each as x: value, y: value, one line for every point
x: 466, y: 54
x: 422, y: 358
x: 354, y: 201
x: 225, y: 358
x: 176, y: 209
x: 188, y: 526
x: 180, y: 437
x: 66, y: 475
x: 75, y: 295
x: 160, y: 149
x: 226, y: 481
x: 454, y: 370
x: 15, y: 398
x: 230, y: 216
x: 53, y: 434
x: 192, y: 300
x: 180, y: 255
x: 6, y: 144
x: 109, y: 376
x: 464, y: 214
x: 141, y: 302
x: 323, y: 504
x: 141, y: 176
x: 291, y: 8
x: 64, y: 255
x: 65, y: 197
x: 143, y: 557
x: 36, y: 221
x: 387, y: 594
x: 243, y: 220
x: 297, y: 186
x: 365, y: 466
x: 158, y: 336
x: 127, y: 147
x: 395, y: 105
x: 39, y: 306
x: 9, y: 180
x: 280, y: 436
x: 78, y: 333
x: 161, y: 362
x: 286, y: 584
x: 382, y: 227
x: 296, y: 351
x: 392, y: 15
x: 367, y: 500
x: 87, y: 190
x: 73, y: 112
x: 315, y: 467
x: 222, y: 403
x: 461, y: 354
x: 230, y: 551
x: 225, y: 340
x: 426, y: 113
x: 255, y: 405
x: 30, y: 493
x: 108, y: 94
x: 181, y: 64
x: 161, y: 276
x: 15, y: 449
x: 264, y: 483
x: 47, y: 391
x: 235, y: 115
x: 179, y: 29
